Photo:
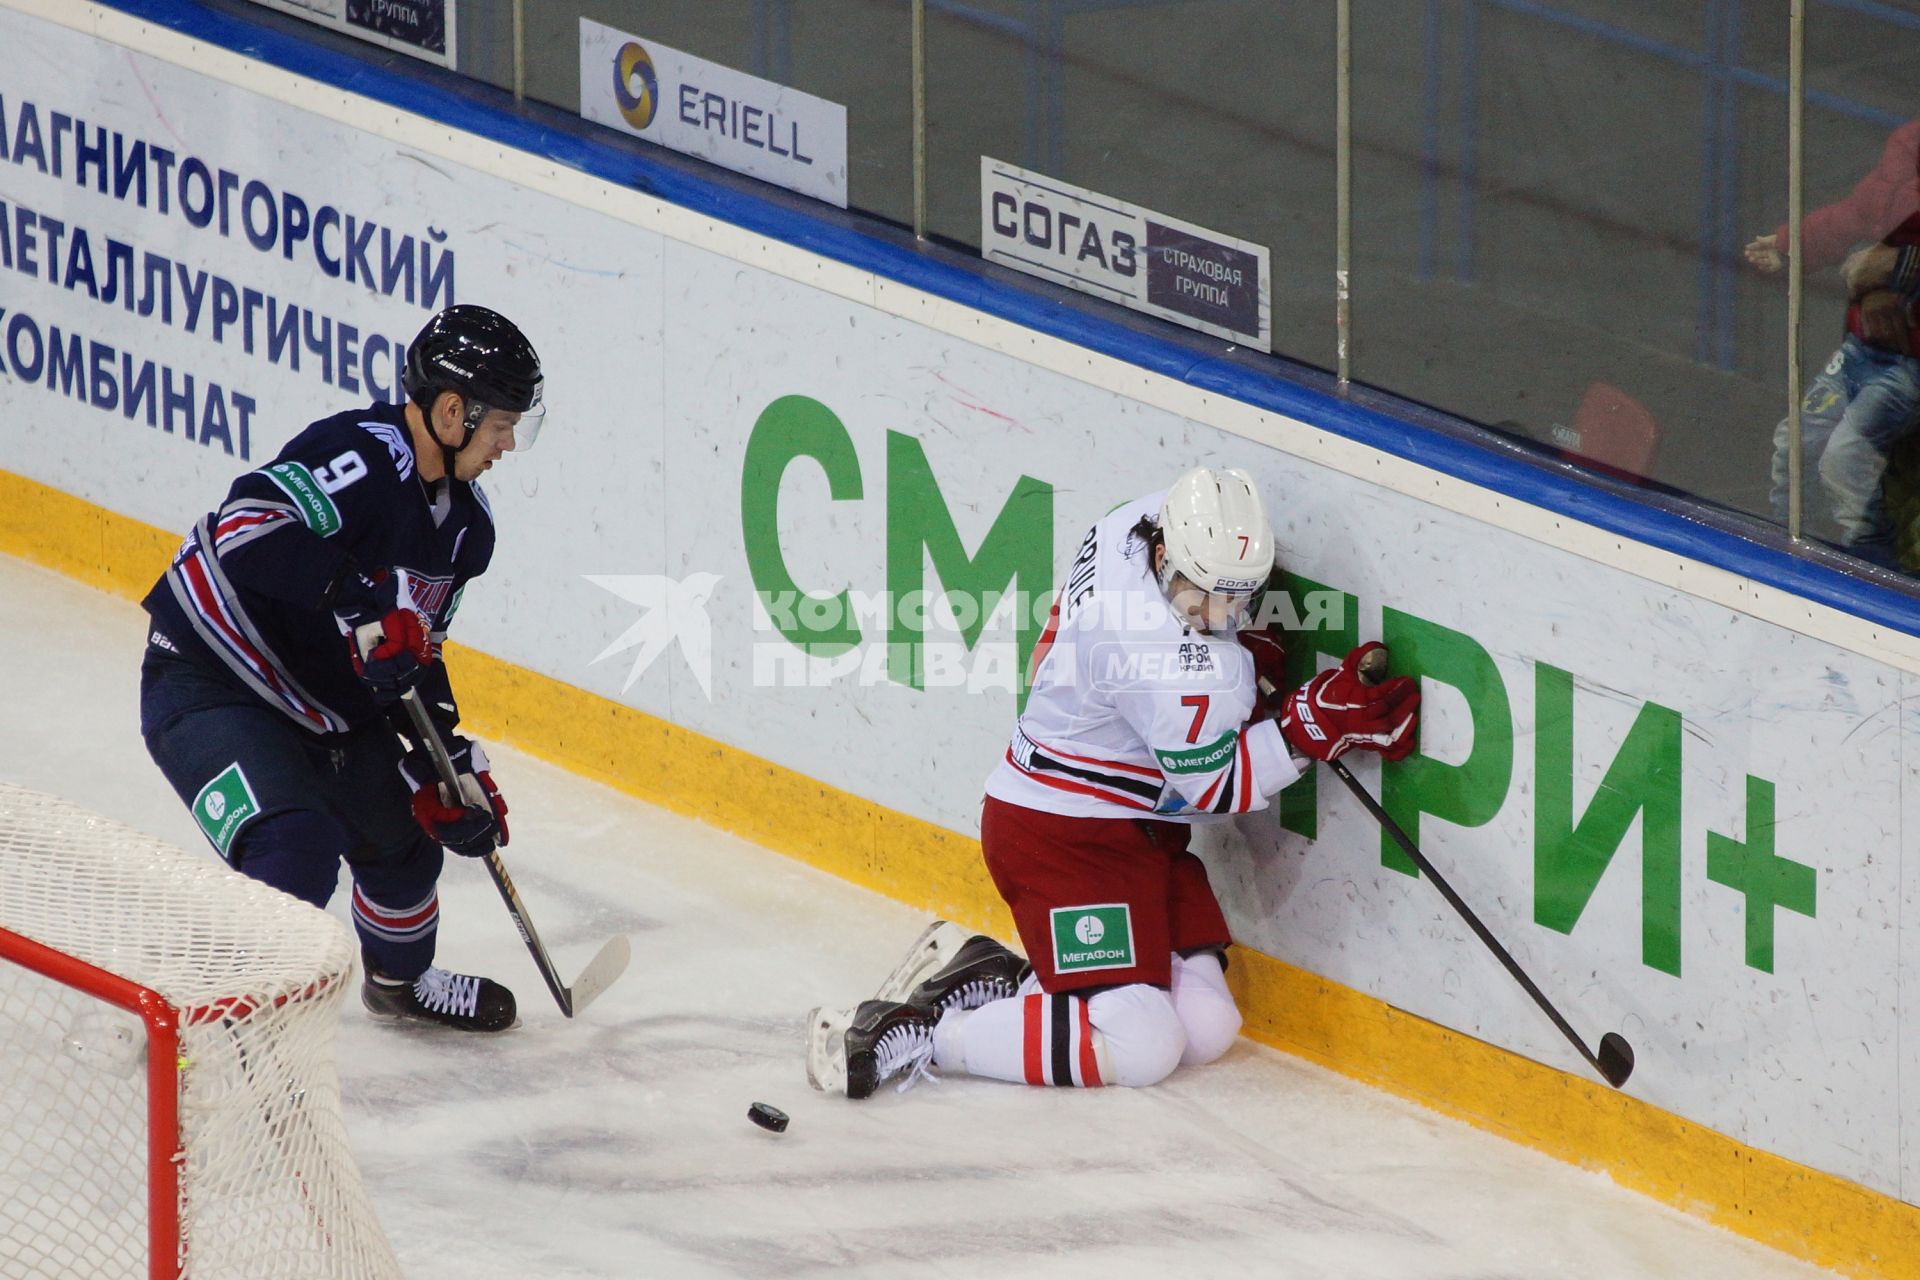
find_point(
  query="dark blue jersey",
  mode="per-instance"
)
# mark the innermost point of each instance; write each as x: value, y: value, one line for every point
x: 251, y: 592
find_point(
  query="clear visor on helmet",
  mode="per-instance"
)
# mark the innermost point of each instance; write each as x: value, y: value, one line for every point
x: 526, y: 427
x: 511, y: 432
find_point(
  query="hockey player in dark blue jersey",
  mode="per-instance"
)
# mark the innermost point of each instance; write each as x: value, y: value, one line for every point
x: 294, y: 616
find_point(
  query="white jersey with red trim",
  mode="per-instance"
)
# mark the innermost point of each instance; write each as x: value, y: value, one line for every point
x: 1132, y: 712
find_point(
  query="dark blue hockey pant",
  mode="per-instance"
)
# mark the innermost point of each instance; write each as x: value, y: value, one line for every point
x: 284, y: 806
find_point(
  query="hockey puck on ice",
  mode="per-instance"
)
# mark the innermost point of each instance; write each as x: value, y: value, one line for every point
x: 768, y: 1117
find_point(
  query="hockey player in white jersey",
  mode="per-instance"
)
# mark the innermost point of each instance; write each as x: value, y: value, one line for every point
x: 1144, y: 718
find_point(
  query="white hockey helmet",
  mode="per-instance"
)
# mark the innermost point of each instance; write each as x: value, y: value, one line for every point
x: 1216, y: 534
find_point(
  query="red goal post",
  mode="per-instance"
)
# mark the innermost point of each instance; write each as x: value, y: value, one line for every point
x: 169, y: 1104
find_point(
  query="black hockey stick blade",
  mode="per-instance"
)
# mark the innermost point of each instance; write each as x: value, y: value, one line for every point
x: 1615, y: 1058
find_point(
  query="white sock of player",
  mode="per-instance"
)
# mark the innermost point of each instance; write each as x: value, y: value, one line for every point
x: 1127, y: 1036
x: 1205, y: 1007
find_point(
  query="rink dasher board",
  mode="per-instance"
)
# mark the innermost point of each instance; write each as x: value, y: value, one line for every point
x: 670, y: 339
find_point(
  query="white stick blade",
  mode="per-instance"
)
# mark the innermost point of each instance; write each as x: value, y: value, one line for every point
x: 600, y: 973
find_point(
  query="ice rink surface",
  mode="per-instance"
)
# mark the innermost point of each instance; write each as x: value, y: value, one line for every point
x: 618, y: 1145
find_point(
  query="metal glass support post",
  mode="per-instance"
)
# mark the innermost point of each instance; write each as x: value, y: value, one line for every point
x: 1431, y: 87
x: 920, y: 119
x: 519, y: 50
x: 1726, y: 242
x: 1796, y: 103
x: 1343, y: 189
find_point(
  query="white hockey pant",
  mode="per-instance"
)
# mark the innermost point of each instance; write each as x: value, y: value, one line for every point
x: 1133, y: 1035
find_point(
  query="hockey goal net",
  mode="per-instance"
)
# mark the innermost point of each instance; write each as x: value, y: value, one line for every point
x: 169, y: 1104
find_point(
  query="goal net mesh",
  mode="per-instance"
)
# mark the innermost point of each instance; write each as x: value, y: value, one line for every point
x: 254, y: 980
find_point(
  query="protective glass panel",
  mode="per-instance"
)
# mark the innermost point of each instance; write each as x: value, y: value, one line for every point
x: 1215, y: 112
x: 853, y: 52
x: 1549, y: 209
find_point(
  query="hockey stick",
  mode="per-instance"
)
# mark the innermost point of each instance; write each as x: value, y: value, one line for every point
x: 611, y: 960
x: 1614, y: 1061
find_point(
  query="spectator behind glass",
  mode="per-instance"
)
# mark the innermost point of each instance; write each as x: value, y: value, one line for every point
x: 1866, y: 399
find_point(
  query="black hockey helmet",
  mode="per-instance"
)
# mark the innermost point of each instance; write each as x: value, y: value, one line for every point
x: 483, y: 357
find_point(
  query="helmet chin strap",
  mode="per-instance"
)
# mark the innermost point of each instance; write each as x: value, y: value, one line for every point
x: 470, y: 420
x: 1164, y: 573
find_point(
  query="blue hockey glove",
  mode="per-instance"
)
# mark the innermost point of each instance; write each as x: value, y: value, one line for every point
x: 474, y: 823
x: 386, y: 631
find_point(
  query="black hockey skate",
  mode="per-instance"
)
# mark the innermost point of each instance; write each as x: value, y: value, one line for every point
x: 856, y: 1053
x: 455, y: 1000
x: 947, y: 968
x: 980, y: 972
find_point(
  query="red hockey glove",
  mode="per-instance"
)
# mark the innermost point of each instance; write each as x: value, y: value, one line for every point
x: 1337, y: 712
x: 386, y: 632
x: 474, y: 825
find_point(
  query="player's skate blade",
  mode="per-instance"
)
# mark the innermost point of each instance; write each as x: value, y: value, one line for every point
x: 827, y: 1049
x: 856, y: 1052
x: 936, y: 946
x: 456, y: 1000
x: 980, y: 972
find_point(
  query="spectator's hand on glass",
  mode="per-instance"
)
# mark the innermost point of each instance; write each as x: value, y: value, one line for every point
x: 1761, y: 253
x: 1883, y: 321
x: 1869, y: 269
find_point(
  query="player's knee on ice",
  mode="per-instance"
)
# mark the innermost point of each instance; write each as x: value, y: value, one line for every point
x: 1139, y: 1034
x: 1143, y: 1033
x: 1205, y: 1007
